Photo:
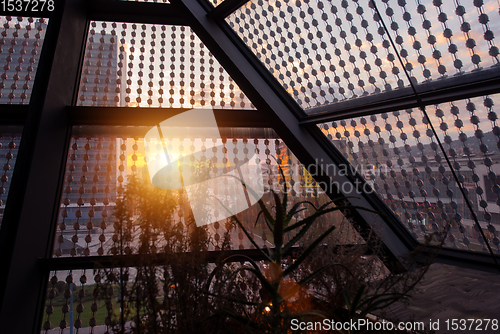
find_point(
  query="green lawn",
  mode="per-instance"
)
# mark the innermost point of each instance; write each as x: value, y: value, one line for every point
x: 87, y: 301
x: 101, y: 314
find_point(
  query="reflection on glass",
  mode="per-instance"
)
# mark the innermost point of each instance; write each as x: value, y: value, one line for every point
x: 399, y: 156
x: 20, y: 45
x: 106, y: 163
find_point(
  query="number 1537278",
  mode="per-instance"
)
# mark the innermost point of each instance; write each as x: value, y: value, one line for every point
x: 13, y: 6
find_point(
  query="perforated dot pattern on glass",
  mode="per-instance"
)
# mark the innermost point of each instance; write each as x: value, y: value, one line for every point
x: 154, y: 1
x: 151, y: 65
x: 216, y: 2
x: 400, y: 157
x: 20, y: 45
x: 9, y: 146
x: 323, y: 52
x: 99, y: 170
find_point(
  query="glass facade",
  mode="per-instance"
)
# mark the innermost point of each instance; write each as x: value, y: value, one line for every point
x: 398, y: 97
x: 323, y: 52
x: 149, y: 65
x: 404, y: 161
x: 20, y: 44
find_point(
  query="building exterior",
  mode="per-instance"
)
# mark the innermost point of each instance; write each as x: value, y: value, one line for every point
x: 103, y: 75
x: 20, y: 47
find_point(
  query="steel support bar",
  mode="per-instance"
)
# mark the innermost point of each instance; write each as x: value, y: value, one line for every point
x: 276, y: 105
x: 192, y: 132
x: 7, y: 130
x: 13, y: 114
x: 152, y: 116
x: 450, y: 89
x: 134, y: 12
x: 96, y: 262
x: 32, y: 206
x: 136, y: 260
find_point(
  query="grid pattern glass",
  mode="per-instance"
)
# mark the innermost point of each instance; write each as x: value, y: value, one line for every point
x: 325, y: 52
x: 20, y: 45
x: 404, y: 161
x: 102, y: 161
x: 149, y: 65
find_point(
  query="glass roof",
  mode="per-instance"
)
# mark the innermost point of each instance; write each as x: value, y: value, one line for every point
x: 324, y: 52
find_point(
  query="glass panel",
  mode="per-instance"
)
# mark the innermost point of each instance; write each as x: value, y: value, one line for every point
x: 20, y: 46
x: 150, y: 65
x: 102, y: 160
x: 323, y: 52
x: 9, y: 145
x: 438, y: 38
x: 398, y: 154
x: 155, y: 1
x: 320, y: 52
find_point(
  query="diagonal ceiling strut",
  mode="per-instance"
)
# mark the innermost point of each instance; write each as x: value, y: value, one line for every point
x: 306, y: 142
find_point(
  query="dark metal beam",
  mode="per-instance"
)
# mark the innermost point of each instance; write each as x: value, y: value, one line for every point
x: 7, y: 130
x: 190, y: 132
x: 305, y: 142
x: 134, y: 12
x: 152, y: 116
x: 28, y: 225
x: 445, y: 90
x: 462, y: 258
x: 136, y: 260
x: 13, y: 114
x: 226, y: 8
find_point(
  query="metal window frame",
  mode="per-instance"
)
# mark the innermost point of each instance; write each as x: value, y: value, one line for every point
x: 135, y: 11
x: 136, y: 260
x: 306, y: 142
x: 458, y: 87
x: 435, y: 92
x: 80, y: 115
x: 25, y: 257
x: 28, y: 226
